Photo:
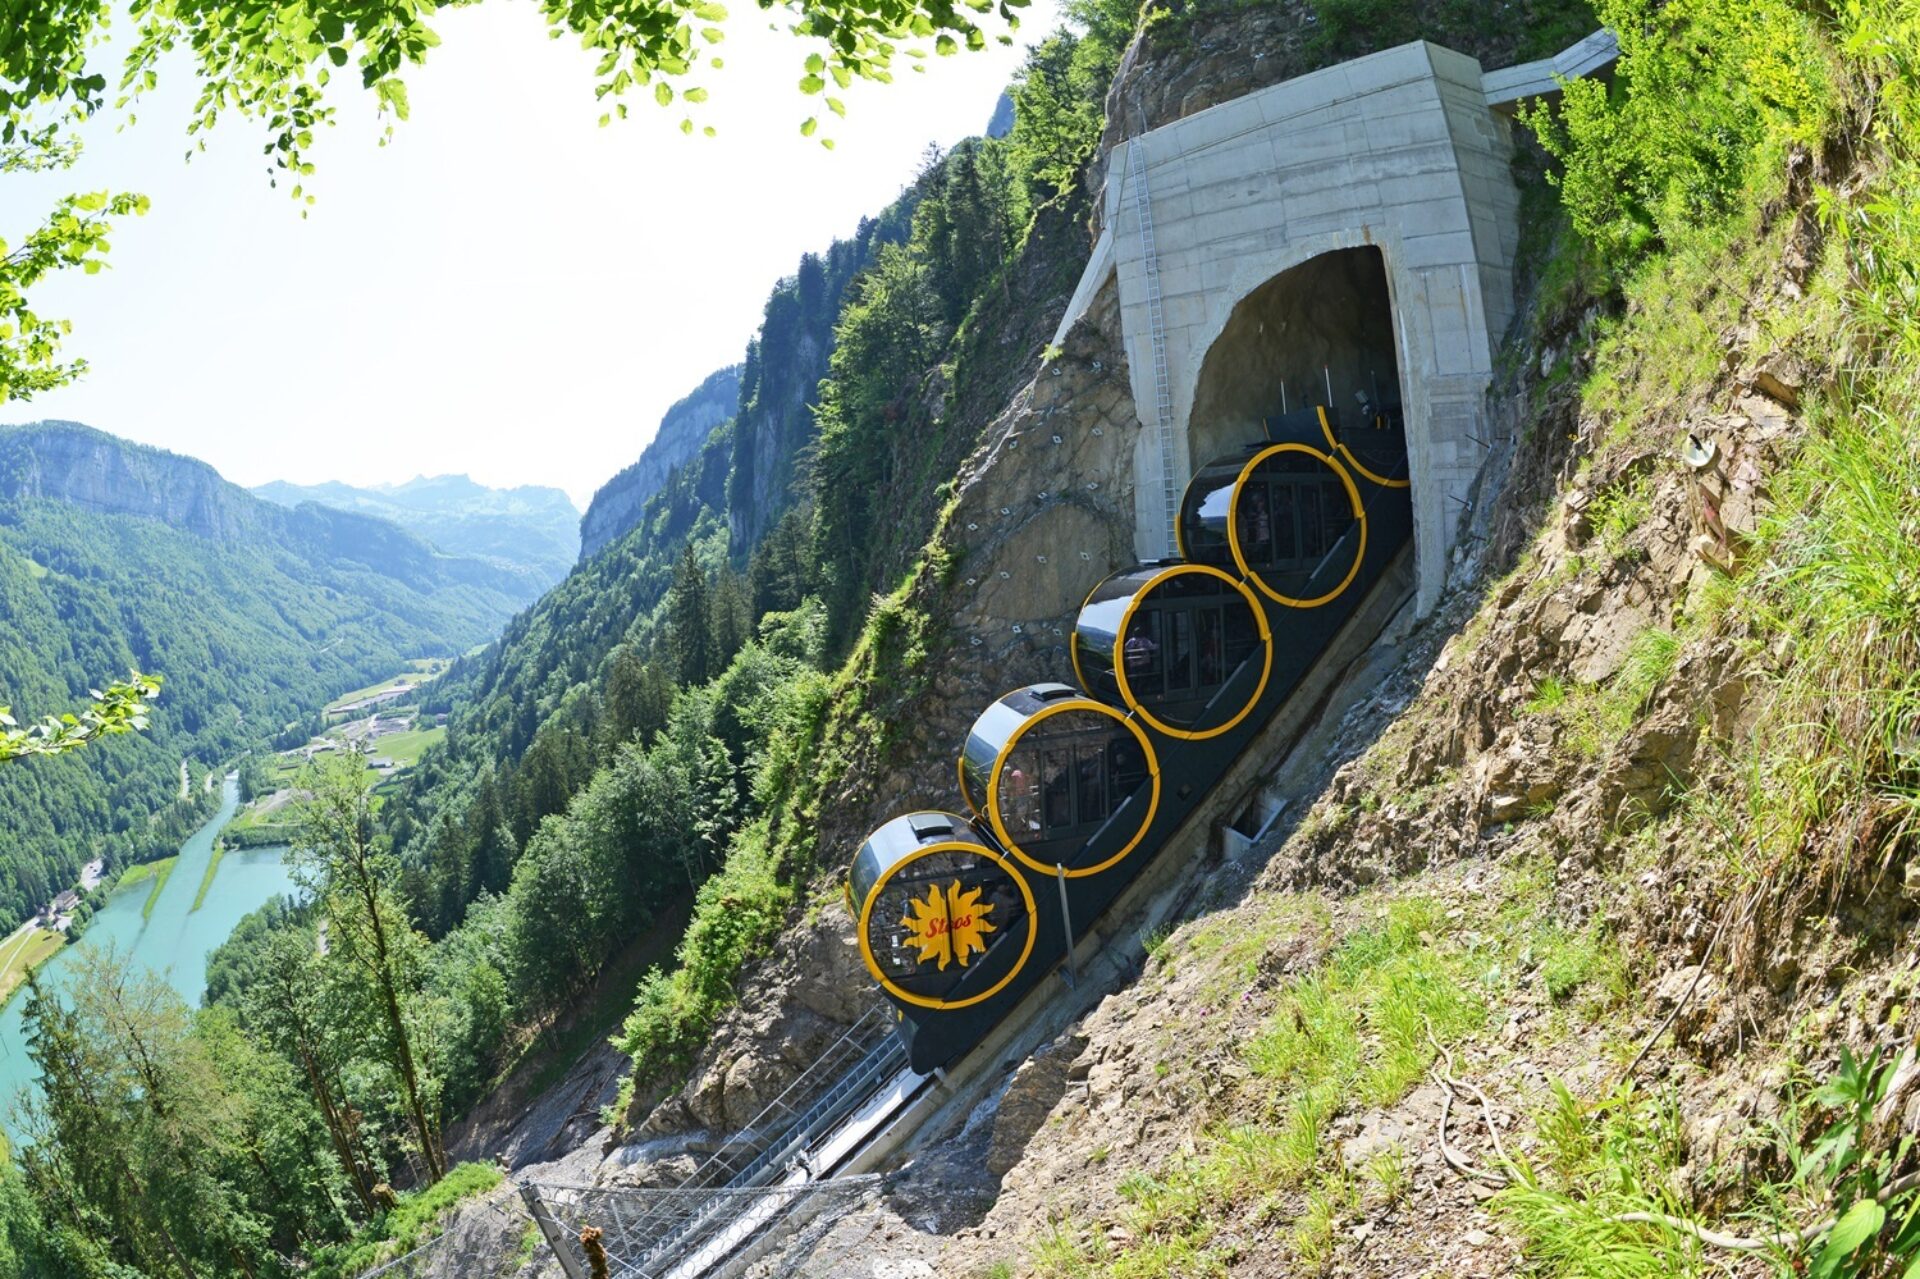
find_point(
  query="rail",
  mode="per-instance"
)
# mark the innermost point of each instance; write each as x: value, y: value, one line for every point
x: 778, y: 1164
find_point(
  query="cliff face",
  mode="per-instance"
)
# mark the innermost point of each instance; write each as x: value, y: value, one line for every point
x: 685, y: 427
x: 1200, y: 53
x: 79, y: 466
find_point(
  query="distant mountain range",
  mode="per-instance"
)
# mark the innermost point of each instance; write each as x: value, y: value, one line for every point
x: 532, y: 530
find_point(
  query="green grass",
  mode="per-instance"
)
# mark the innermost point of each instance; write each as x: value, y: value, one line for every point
x: 22, y: 955
x: 1351, y: 1035
x: 420, y: 670
x: 206, y: 880
x: 405, y: 749
x: 157, y: 871
x: 417, y: 1219
x: 1595, y: 1162
x: 1597, y: 716
x: 1618, y: 512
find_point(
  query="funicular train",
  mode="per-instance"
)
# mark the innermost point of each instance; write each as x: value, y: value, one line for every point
x: 1179, y: 663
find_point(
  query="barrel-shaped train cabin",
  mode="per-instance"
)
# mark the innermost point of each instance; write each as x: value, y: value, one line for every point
x: 1064, y: 782
x: 945, y: 921
x: 1185, y: 647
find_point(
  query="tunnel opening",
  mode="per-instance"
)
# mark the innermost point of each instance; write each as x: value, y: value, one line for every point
x: 1318, y: 334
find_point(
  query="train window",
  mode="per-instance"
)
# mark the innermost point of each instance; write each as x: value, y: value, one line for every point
x: 1313, y: 542
x: 1064, y: 785
x: 1291, y: 522
x: 1191, y: 631
x: 1090, y: 781
x: 1058, y: 790
x: 1179, y: 630
x: 1062, y: 768
x: 1016, y: 792
x: 1213, y: 667
x: 1243, y: 637
x: 1145, y: 667
x: 1286, y: 545
x: 1126, y: 765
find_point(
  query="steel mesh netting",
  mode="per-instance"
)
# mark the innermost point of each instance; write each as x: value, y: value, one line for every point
x: 693, y: 1231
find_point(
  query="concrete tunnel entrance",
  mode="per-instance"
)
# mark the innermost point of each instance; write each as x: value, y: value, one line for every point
x: 1326, y: 322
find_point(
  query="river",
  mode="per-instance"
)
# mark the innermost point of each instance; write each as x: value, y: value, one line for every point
x: 174, y: 942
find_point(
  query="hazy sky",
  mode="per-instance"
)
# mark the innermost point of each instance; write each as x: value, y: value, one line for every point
x: 507, y: 290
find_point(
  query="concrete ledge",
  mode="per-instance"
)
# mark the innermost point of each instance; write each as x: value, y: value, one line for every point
x: 1506, y: 89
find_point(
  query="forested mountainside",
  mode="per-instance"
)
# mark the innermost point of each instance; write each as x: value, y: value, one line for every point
x: 682, y: 432
x: 116, y: 557
x: 529, y: 530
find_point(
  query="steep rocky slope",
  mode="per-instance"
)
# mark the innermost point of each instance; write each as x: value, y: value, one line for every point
x: 616, y: 507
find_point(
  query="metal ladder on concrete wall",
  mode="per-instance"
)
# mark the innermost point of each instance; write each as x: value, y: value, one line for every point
x: 1157, y: 337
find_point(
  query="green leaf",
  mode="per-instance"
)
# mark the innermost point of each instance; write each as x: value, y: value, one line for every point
x: 811, y: 84
x: 695, y: 95
x: 945, y: 46
x: 662, y: 93
x: 807, y: 126
x: 1861, y: 1223
x: 815, y: 64
x: 836, y: 106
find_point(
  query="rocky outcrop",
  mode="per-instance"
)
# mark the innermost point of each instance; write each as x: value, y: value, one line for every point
x: 683, y: 430
x: 76, y: 465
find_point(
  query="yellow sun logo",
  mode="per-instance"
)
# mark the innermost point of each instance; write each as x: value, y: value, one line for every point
x: 948, y: 926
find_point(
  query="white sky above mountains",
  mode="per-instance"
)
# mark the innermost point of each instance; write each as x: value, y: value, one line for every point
x: 506, y: 290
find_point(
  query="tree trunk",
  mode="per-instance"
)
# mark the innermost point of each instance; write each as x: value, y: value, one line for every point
x: 403, y: 1046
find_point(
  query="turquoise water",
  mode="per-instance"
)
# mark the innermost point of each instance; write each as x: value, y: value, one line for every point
x: 175, y: 942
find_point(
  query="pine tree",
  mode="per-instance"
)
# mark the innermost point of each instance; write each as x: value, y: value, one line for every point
x: 690, y: 643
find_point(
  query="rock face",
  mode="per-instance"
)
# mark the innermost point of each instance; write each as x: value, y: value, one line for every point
x: 1204, y: 52
x: 683, y: 430
x: 74, y: 464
